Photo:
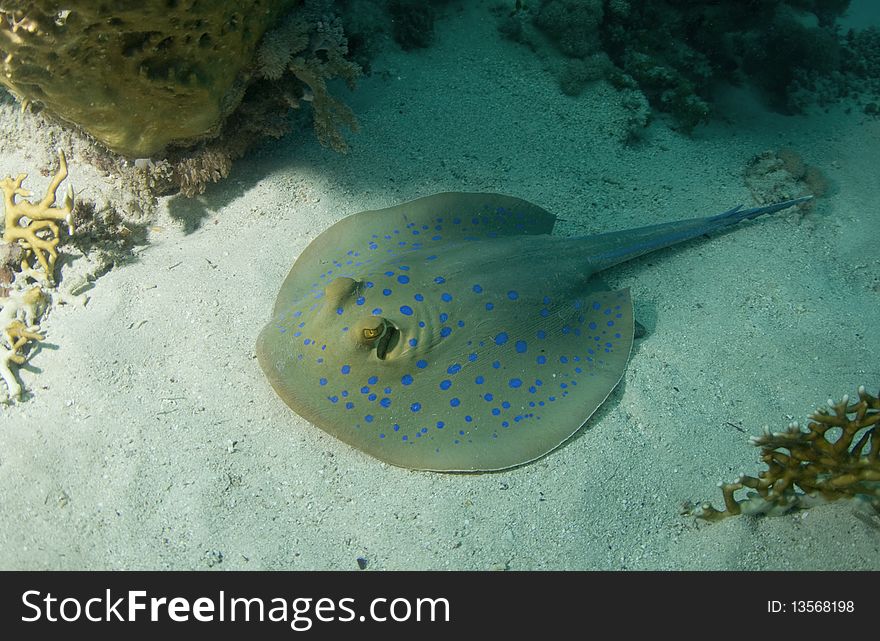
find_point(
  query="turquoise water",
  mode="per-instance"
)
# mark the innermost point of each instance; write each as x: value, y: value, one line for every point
x: 153, y: 440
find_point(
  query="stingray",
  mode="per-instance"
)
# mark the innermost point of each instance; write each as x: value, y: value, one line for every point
x: 454, y: 333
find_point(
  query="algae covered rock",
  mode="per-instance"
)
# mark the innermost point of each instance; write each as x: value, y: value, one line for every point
x: 136, y: 75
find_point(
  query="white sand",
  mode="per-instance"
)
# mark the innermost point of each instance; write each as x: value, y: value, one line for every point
x: 122, y: 457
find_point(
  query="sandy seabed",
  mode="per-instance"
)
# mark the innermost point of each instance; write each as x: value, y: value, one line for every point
x: 151, y: 439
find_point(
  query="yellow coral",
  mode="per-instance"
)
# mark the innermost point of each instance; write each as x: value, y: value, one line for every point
x: 33, y: 225
x: 806, y: 467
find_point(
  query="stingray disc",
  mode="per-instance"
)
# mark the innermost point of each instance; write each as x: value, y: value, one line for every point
x: 449, y: 333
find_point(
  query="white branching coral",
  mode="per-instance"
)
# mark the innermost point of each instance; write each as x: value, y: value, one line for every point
x: 313, y: 48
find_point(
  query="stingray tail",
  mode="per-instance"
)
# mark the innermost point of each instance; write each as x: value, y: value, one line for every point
x: 617, y: 247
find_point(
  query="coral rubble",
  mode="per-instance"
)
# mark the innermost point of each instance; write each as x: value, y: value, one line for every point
x: 836, y: 456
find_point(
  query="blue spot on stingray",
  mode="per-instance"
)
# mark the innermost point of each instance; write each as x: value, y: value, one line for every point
x: 479, y: 380
x: 421, y: 364
x: 415, y: 407
x: 439, y: 280
x: 488, y: 397
x: 514, y: 383
x: 345, y: 369
x: 501, y: 338
x: 454, y: 402
x: 406, y: 310
x: 445, y: 297
x: 496, y: 364
x: 339, y: 311
x: 460, y: 323
x: 373, y: 380
x: 368, y: 284
x: 597, y: 306
x: 610, y: 323
x: 368, y: 418
x: 385, y: 402
x: 333, y: 399
x: 444, y: 317
x: 445, y: 384
x: 512, y: 295
x: 419, y: 298
x: 377, y: 311
x: 403, y: 279
x: 413, y: 342
x: 468, y: 419
x: 489, y: 307
x: 592, y: 326
x: 372, y: 397
x: 406, y: 379
x: 440, y: 425
x: 445, y: 331
x: 541, y: 360
x: 455, y: 368
x: 404, y: 267
x: 472, y: 357
x: 322, y: 381
x: 521, y: 346
x: 360, y: 300
x: 365, y: 390
x: 349, y: 405
x: 477, y: 289
x: 495, y: 411
x: 389, y: 273
x: 386, y: 292
x: 544, y: 313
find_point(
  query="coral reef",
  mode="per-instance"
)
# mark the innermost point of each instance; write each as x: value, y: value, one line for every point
x: 140, y: 75
x: 676, y: 52
x: 836, y: 456
x: 310, y: 45
x: 31, y: 231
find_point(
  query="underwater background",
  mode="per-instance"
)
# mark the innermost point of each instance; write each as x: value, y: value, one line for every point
x: 148, y: 437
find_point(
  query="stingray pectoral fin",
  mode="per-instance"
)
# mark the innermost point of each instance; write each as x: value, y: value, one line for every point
x: 537, y: 399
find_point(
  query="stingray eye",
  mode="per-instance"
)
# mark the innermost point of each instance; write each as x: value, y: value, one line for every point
x: 377, y: 332
x: 371, y: 333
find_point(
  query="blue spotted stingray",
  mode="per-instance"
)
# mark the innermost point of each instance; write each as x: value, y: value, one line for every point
x: 454, y: 332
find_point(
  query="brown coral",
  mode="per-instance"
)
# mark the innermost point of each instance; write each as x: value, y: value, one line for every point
x: 135, y: 75
x: 836, y: 456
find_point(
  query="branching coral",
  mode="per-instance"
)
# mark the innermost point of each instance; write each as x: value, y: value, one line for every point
x: 836, y: 456
x: 313, y: 48
x: 34, y: 226
x: 18, y: 317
